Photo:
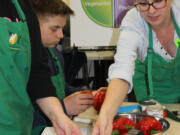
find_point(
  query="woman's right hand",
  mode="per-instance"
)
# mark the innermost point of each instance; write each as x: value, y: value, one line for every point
x: 103, y: 125
x: 115, y: 95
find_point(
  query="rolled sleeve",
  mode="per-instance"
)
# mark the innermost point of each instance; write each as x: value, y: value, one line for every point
x: 127, y: 52
x: 123, y: 68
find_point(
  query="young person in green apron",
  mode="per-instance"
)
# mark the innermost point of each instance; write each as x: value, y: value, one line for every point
x: 18, y: 68
x: 147, y: 59
x: 51, y: 24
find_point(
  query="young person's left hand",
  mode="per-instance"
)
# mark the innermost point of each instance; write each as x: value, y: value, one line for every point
x: 65, y: 126
x: 61, y: 123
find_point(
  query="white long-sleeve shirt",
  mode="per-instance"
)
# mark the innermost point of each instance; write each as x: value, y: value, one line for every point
x: 133, y: 43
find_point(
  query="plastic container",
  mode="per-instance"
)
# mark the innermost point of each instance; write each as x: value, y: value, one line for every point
x: 152, y: 107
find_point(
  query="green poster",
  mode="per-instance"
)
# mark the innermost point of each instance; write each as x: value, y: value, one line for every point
x: 100, y: 11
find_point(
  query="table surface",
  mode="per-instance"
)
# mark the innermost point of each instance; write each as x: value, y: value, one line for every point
x: 100, y: 55
x: 92, y: 115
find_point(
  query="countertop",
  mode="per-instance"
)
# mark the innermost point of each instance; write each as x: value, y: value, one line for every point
x: 174, y: 128
x: 90, y: 115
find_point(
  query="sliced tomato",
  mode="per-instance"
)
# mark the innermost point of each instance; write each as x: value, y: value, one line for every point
x: 86, y: 91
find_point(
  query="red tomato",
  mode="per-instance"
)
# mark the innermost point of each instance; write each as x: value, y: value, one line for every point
x: 149, y: 123
x: 158, y: 126
x: 86, y: 92
x: 164, y: 114
x: 99, y: 99
x: 145, y: 126
x: 123, y: 125
x: 115, y: 125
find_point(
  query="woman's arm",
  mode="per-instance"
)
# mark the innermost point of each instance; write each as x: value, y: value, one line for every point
x: 115, y: 95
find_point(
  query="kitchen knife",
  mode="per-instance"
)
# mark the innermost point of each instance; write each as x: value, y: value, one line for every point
x: 172, y: 115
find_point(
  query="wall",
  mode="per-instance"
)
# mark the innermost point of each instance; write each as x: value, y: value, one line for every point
x: 67, y: 2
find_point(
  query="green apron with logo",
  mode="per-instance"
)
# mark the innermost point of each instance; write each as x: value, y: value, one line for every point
x: 15, y: 57
x: 156, y: 78
x: 58, y: 80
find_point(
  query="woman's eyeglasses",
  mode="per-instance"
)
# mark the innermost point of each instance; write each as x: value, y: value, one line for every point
x: 145, y: 6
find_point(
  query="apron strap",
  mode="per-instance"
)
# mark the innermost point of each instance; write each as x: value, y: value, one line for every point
x: 175, y: 25
x: 19, y: 10
x: 177, y: 41
x: 57, y: 61
x: 149, y: 67
x: 60, y: 71
x: 54, y: 57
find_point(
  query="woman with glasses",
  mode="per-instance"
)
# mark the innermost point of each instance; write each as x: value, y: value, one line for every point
x: 147, y: 59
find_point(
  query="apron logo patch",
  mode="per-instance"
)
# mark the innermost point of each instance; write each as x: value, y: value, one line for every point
x: 177, y: 42
x: 12, y: 39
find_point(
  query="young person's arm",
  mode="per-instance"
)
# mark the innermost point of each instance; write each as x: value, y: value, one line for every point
x: 40, y: 87
x: 61, y: 123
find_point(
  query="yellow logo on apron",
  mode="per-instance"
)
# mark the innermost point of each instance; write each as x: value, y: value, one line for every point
x: 13, y: 38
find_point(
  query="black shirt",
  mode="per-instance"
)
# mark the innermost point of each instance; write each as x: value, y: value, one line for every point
x: 39, y: 84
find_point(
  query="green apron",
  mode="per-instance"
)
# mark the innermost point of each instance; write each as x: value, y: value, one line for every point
x: 15, y: 106
x: 58, y: 80
x: 59, y: 84
x: 156, y: 78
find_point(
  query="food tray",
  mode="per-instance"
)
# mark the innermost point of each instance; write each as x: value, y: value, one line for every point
x: 136, y: 117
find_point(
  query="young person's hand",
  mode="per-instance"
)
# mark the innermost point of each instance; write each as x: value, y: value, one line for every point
x: 65, y: 126
x: 77, y: 103
x: 61, y: 123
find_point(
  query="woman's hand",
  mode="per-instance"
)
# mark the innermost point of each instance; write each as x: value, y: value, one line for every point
x: 77, y: 103
x: 115, y: 95
x: 103, y: 125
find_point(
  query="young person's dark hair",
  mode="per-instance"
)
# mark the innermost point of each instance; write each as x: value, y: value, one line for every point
x: 53, y: 7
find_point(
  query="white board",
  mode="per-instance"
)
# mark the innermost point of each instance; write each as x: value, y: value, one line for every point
x: 89, y: 28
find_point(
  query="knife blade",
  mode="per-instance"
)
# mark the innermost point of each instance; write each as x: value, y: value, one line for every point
x: 172, y: 115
